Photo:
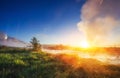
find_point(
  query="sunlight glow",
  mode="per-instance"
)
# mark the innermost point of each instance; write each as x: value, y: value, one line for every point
x: 84, y: 44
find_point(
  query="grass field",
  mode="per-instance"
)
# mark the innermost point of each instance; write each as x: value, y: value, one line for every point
x: 21, y: 63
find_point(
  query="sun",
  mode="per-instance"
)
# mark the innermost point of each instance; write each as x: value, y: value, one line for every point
x: 84, y: 44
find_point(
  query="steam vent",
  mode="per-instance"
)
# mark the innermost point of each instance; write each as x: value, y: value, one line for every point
x: 3, y: 36
x: 11, y: 41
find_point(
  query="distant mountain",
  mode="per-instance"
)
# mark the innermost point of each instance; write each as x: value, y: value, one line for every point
x: 11, y: 41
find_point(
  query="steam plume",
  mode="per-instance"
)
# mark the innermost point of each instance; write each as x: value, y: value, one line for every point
x: 3, y: 36
x: 98, y: 19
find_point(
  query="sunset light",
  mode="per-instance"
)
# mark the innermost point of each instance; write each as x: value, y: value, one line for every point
x: 59, y: 38
x: 84, y: 44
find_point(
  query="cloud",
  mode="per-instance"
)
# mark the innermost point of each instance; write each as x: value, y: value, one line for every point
x: 98, y: 19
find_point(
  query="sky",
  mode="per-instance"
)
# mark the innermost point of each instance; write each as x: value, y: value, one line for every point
x: 60, y: 21
x: 51, y: 21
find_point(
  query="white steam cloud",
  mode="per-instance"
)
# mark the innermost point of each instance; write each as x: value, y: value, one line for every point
x: 98, y: 19
x: 3, y: 36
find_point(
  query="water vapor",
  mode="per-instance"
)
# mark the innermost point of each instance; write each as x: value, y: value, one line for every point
x: 98, y: 19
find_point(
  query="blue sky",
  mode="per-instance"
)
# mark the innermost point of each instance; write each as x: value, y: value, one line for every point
x: 48, y: 20
x: 62, y: 21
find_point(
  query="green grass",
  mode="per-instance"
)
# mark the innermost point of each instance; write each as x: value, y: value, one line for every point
x: 21, y: 63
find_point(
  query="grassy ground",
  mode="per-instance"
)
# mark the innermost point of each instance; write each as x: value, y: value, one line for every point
x: 21, y: 63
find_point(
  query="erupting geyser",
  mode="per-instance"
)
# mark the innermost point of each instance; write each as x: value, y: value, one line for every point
x: 100, y: 20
